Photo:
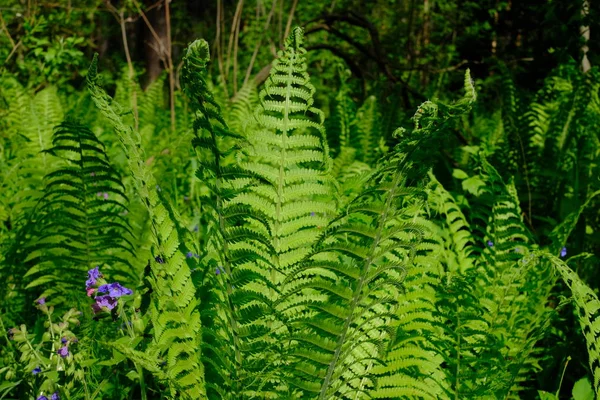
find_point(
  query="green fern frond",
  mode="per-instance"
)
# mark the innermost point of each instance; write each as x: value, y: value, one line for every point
x: 78, y: 222
x: 173, y: 311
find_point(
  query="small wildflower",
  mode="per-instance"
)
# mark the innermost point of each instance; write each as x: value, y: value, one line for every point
x: 312, y: 214
x: 115, y: 290
x: 55, y: 396
x: 99, y: 194
x: 563, y: 252
x: 217, y: 271
x: 220, y: 270
x: 42, y: 397
x: 106, y: 301
x: 105, y: 196
x: 36, y: 370
x: 63, y: 340
x: 159, y: 260
x: 41, y: 301
x: 63, y: 351
x: 189, y: 254
x: 490, y: 243
x: 93, y: 275
x: 90, y: 291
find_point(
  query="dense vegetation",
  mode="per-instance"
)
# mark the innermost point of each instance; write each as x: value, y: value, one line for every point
x: 351, y: 200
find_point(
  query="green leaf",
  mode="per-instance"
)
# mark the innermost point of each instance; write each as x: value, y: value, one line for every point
x: 459, y: 174
x: 583, y: 390
x: 546, y: 395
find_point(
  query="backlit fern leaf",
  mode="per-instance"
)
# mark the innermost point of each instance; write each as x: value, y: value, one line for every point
x: 78, y: 223
x: 173, y: 311
x: 352, y: 284
x: 234, y: 244
x: 588, y: 309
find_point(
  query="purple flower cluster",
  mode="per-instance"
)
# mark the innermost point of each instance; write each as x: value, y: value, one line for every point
x: 54, y: 396
x: 112, y: 292
x: 563, y: 252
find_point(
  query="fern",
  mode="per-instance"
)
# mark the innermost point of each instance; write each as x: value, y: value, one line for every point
x: 357, y: 271
x: 173, y: 311
x: 78, y: 222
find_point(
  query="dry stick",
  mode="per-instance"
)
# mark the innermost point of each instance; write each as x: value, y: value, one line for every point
x: 235, y: 50
x: 130, y: 68
x: 219, y: 47
x: 170, y: 60
x: 288, y: 26
x: 5, y: 29
x: 279, y: 23
x: 232, y: 34
x: 119, y: 15
x: 253, y: 59
x: 163, y: 54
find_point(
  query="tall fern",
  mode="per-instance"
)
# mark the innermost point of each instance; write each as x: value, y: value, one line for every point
x: 173, y: 310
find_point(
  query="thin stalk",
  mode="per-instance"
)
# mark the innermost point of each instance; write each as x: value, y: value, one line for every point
x: 258, y: 44
x: 170, y: 64
x: 288, y: 26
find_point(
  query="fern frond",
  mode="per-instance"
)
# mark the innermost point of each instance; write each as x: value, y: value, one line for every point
x: 173, y: 311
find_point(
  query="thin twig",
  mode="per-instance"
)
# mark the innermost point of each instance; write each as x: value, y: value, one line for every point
x: 170, y: 62
x: 119, y: 15
x: 219, y: 47
x: 288, y: 26
x: 235, y: 51
x: 237, y: 14
x: 257, y: 47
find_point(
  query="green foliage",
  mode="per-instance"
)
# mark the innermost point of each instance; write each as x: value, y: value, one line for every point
x: 79, y: 220
x: 275, y: 253
x: 173, y: 309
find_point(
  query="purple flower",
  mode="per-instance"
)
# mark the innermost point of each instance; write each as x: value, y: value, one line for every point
x: 159, y: 260
x: 312, y: 214
x: 93, y: 275
x: 99, y: 194
x: 42, y: 397
x: 106, y: 301
x: 189, y: 254
x: 219, y: 270
x: 63, y: 351
x: 63, y: 340
x: 41, y: 301
x: 55, y: 396
x: 105, y: 196
x: 563, y: 252
x: 490, y: 243
x: 114, y: 290
x: 36, y: 370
